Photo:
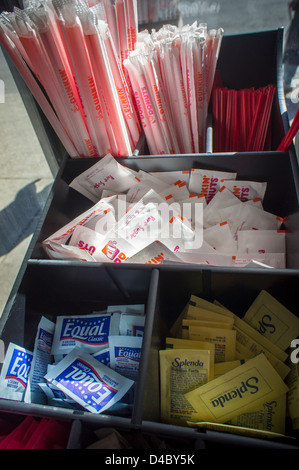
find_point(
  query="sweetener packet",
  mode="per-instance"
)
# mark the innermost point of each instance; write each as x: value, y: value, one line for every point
x: 125, y: 353
x: 155, y: 253
x: 41, y: 359
x: 246, y: 217
x: 127, y: 308
x: 212, y: 213
x: 220, y: 238
x: 107, y: 174
x: 15, y: 372
x: 56, y: 397
x: 246, y: 190
x: 131, y: 325
x: 177, y: 192
x: 261, y: 241
x: 57, y: 251
x: 100, y: 209
x: 87, y: 239
x: 88, y: 332
x: 208, y: 182
x: 103, y: 356
x: 171, y: 177
x: 90, y: 383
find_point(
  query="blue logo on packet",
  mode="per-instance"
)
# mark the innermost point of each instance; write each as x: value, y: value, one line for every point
x: 92, y: 331
x: 133, y: 354
x: 19, y: 367
x: 84, y: 382
x: 45, y: 339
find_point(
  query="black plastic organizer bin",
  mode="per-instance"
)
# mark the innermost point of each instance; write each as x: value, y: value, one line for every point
x: 50, y: 288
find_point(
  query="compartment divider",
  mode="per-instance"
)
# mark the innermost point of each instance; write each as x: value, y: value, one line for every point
x: 146, y: 345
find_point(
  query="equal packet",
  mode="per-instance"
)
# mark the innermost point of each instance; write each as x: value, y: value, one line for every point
x: 15, y: 372
x: 131, y: 325
x: 89, y: 332
x: 41, y: 359
x: 125, y: 354
x: 93, y: 385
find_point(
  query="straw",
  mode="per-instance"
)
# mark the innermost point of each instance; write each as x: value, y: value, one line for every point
x: 131, y: 23
x: 146, y: 124
x: 103, y: 74
x: 43, y: 72
x: 37, y: 93
x: 122, y: 34
x: 52, y: 45
x: 95, y: 112
x: 128, y: 109
x: 291, y: 134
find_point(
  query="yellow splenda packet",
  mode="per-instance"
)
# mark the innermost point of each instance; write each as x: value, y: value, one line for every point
x: 238, y: 391
x: 181, y: 370
x: 270, y: 416
x: 273, y: 320
x: 251, y: 348
x: 197, y: 313
x: 179, y: 343
x: 224, y: 340
x: 222, y: 367
x: 210, y: 324
x: 292, y: 382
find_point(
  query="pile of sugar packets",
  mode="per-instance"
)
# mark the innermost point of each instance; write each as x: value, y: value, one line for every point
x: 196, y: 216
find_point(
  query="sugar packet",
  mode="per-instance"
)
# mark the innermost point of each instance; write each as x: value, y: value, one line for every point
x: 208, y: 182
x: 90, y: 383
x: 15, y: 372
x: 261, y: 241
x: 246, y: 190
x: 107, y: 174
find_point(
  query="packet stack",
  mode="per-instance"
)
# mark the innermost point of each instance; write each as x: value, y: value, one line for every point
x: 86, y: 362
x: 172, y: 72
x: 68, y: 53
x: 195, y: 216
x: 250, y: 385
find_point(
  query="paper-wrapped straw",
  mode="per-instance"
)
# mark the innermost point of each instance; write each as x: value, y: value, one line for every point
x: 44, y: 74
x: 136, y: 66
x: 125, y: 100
x: 36, y: 92
x: 110, y: 10
x: 122, y: 34
x: 52, y: 45
x: 89, y: 90
x: 131, y: 23
x: 103, y: 75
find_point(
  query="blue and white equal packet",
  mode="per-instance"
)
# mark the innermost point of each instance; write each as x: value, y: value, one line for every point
x: 41, y: 360
x: 89, y: 332
x: 90, y: 383
x: 15, y: 372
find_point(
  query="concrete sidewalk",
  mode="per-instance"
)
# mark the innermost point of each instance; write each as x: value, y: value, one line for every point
x: 25, y: 176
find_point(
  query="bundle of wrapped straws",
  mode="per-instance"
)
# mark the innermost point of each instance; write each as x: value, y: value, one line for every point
x: 100, y: 82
